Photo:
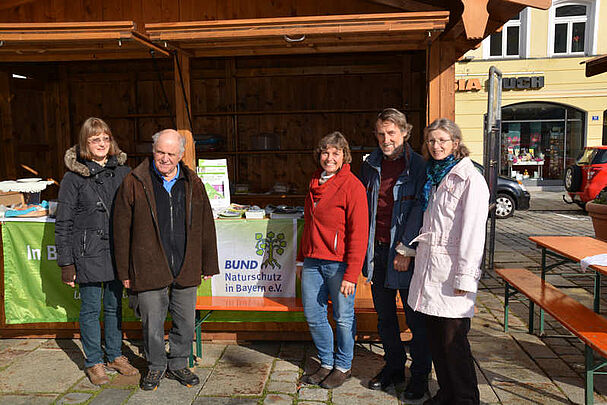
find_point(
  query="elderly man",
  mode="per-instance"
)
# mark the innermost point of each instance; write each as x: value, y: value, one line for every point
x: 394, y: 175
x: 164, y: 241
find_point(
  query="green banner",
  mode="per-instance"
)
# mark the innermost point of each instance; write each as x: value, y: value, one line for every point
x: 33, y: 291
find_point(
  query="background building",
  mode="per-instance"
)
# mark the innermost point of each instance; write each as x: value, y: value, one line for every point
x: 550, y: 109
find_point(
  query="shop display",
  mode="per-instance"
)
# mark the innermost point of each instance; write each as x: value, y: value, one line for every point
x: 522, y: 155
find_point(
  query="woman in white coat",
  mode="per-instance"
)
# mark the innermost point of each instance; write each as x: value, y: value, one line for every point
x: 450, y: 247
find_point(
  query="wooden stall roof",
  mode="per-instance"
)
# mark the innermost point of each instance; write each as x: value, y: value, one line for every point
x: 363, y: 32
x: 73, y: 41
x: 209, y: 31
x: 596, y: 66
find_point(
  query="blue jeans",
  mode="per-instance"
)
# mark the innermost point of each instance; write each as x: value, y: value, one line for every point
x: 90, y: 330
x: 319, y: 280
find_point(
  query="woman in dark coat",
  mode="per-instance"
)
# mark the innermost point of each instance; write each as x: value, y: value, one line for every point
x: 96, y: 168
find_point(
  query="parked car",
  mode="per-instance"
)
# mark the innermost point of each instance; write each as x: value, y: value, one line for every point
x: 587, y: 176
x: 511, y: 195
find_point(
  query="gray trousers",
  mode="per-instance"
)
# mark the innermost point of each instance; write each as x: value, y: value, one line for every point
x: 153, y: 305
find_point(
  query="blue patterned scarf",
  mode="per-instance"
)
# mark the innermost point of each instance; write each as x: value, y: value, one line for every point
x: 436, y: 170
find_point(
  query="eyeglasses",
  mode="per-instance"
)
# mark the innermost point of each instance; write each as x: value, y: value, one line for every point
x: 440, y: 142
x: 99, y: 139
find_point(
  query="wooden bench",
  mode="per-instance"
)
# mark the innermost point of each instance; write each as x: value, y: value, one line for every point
x: 583, y: 322
x: 264, y: 304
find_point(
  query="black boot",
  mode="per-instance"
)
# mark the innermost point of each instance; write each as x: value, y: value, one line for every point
x: 417, y: 387
x: 385, y: 378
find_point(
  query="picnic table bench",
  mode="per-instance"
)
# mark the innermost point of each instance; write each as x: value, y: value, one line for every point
x: 587, y: 325
x: 264, y: 304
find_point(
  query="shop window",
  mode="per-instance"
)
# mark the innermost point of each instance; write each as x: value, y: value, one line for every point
x: 510, y: 42
x: 539, y: 140
x: 571, y: 28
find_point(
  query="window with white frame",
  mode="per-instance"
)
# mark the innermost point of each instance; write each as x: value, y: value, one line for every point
x: 572, y: 28
x: 511, y: 41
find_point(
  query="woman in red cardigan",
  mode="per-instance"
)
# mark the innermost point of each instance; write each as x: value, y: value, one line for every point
x: 332, y: 248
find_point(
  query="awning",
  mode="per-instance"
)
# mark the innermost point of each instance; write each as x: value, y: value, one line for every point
x: 73, y: 41
x: 596, y: 66
x: 312, y: 34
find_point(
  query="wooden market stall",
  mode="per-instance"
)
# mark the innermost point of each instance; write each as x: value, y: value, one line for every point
x: 255, y: 82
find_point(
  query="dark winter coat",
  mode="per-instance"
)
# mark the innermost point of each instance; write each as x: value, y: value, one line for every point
x: 140, y: 255
x: 407, y: 213
x: 84, y: 210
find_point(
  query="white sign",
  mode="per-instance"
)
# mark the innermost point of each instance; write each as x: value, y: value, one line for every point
x: 256, y: 258
x: 214, y: 175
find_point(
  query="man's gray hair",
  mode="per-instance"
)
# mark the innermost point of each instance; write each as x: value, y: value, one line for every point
x: 181, y: 140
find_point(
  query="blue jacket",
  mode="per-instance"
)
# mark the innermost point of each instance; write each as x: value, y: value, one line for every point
x: 406, y: 214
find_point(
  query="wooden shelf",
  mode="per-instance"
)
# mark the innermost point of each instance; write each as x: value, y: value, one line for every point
x: 292, y: 112
x: 264, y: 199
x: 143, y: 115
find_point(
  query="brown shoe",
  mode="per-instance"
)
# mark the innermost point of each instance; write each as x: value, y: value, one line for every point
x: 336, y: 379
x: 122, y: 365
x: 97, y: 374
x: 317, y: 377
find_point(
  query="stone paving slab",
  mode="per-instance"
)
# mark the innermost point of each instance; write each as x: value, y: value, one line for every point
x: 74, y: 398
x: 278, y: 399
x: 487, y: 395
x: 21, y: 344
x: 282, y: 387
x: 211, y: 352
x: 240, y: 371
x: 516, y: 392
x: 224, y: 401
x: 111, y: 396
x: 39, y: 399
x: 42, y: 362
x: 313, y: 394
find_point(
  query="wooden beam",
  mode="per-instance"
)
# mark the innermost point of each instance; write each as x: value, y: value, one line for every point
x: 407, y: 5
x: 297, y: 26
x: 308, y: 50
x: 66, y: 31
x: 441, y: 81
x: 8, y: 169
x: 63, y: 135
x: 475, y: 17
x: 596, y: 66
x: 145, y: 41
x: 541, y: 4
x: 80, y: 55
x: 182, y: 107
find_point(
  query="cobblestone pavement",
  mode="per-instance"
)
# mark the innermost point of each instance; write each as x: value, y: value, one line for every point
x: 513, y: 368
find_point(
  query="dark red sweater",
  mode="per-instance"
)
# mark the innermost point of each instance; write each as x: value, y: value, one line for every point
x: 337, y: 228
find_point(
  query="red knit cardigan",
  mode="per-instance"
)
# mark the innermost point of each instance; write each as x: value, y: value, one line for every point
x: 337, y: 228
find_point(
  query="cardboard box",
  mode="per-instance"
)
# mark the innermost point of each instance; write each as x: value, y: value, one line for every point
x: 11, y: 198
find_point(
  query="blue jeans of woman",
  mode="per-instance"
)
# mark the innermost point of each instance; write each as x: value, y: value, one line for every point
x: 320, y: 280
x: 91, y: 295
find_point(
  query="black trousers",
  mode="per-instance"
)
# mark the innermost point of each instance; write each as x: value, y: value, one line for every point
x: 384, y: 300
x: 453, y: 363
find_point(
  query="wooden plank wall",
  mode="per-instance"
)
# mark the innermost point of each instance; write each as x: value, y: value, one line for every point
x: 142, y: 11
x: 296, y: 100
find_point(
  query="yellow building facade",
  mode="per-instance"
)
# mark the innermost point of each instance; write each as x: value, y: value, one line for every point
x: 550, y: 109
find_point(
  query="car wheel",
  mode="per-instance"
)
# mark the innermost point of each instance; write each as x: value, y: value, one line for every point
x: 504, y: 206
x: 573, y: 178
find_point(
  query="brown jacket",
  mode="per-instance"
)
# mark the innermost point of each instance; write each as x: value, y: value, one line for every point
x: 137, y: 244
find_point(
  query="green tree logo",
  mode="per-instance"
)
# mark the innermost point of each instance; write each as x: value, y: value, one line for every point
x: 268, y: 246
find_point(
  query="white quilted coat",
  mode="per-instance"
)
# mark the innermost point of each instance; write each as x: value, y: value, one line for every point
x: 450, y: 245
